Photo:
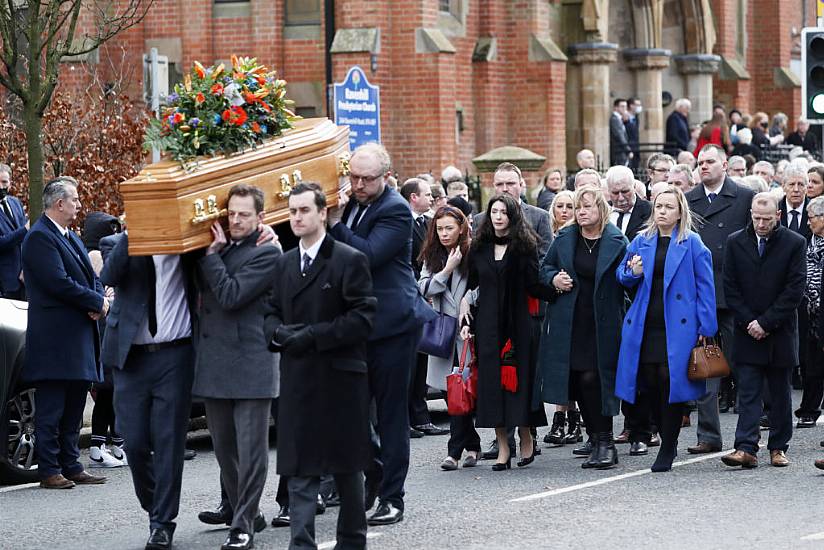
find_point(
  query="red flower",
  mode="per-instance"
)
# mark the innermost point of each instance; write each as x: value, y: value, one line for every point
x: 256, y: 127
x: 177, y: 118
x: 217, y: 89
x: 235, y: 115
x: 200, y: 98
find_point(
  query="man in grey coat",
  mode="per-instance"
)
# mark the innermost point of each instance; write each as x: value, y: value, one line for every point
x: 235, y: 373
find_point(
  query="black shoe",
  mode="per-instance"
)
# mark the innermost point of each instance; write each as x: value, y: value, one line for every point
x: 492, y: 452
x: 764, y: 423
x: 556, y: 431
x: 654, y: 440
x: 607, y: 454
x: 501, y: 466
x: 415, y: 434
x: 260, y: 523
x: 333, y: 499
x: 431, y: 429
x: 386, y: 514
x: 238, y: 540
x: 159, y: 539
x: 574, y: 423
x: 189, y: 454
x: 594, y: 456
x: 806, y: 422
x: 585, y: 449
x: 321, y: 506
x: 220, y: 516
x: 282, y: 518
x: 638, y: 448
x: 536, y: 450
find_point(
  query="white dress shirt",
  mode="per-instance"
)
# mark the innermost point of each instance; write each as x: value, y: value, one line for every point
x: 171, y: 308
x: 312, y: 251
x: 613, y: 217
x: 799, y: 209
x: 63, y: 230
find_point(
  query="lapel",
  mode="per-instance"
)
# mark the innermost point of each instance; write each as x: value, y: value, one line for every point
x: 364, y: 223
x: 72, y: 251
x: 751, y: 243
x: 724, y: 199
x: 319, y: 264
x: 675, y: 254
x: 456, y: 288
x: 420, y: 232
x: 611, y: 241
x: 5, y: 223
x: 566, y: 251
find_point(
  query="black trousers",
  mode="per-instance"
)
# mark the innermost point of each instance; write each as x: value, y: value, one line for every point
x: 462, y: 436
x: 654, y: 381
x: 750, y: 384
x: 812, y: 377
x: 303, y: 495
x: 59, y: 405
x: 152, y: 399
x: 585, y: 388
x: 637, y: 420
x: 103, y: 421
x: 418, y: 410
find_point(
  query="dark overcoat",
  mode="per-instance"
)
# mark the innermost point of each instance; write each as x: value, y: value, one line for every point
x: 62, y: 341
x: 324, y: 393
x: 12, y: 233
x: 497, y: 407
x: 768, y: 289
x: 728, y: 213
x: 610, y: 304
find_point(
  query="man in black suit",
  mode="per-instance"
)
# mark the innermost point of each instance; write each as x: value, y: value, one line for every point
x: 13, y: 228
x: 633, y: 126
x: 419, y: 196
x: 619, y: 150
x: 764, y: 277
x: 322, y: 309
x: 725, y: 208
x: 678, y: 127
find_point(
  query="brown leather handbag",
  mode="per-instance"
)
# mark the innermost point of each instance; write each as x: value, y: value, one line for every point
x: 707, y: 361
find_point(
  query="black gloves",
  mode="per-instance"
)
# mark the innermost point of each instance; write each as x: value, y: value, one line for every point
x: 283, y: 333
x: 300, y: 342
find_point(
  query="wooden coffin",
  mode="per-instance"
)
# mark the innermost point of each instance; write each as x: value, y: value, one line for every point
x: 170, y: 210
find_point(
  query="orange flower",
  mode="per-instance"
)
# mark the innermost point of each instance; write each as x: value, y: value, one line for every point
x: 235, y: 115
x: 235, y: 63
x: 217, y: 89
x: 256, y: 127
x: 201, y: 72
x: 200, y: 98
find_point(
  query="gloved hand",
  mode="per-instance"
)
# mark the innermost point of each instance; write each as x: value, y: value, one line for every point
x: 283, y: 333
x: 300, y: 342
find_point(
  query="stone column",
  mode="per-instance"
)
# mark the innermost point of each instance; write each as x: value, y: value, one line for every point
x: 649, y: 65
x: 698, y: 69
x: 593, y: 60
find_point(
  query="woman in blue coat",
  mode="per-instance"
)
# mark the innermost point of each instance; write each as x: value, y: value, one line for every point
x: 674, y: 304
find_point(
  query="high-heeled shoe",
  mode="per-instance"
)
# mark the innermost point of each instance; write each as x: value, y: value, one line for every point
x: 526, y: 461
x: 501, y: 466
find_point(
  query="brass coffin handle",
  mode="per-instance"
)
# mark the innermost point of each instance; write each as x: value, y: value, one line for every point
x: 285, y: 186
x: 209, y: 212
x: 343, y: 164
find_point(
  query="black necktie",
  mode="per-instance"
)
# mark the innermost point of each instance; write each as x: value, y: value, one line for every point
x: 794, y: 222
x: 620, y: 223
x: 307, y: 263
x: 7, y: 210
x: 152, y: 282
x: 358, y: 213
x: 762, y: 244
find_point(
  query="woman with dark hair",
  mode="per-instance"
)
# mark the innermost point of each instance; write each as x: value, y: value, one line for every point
x: 444, y: 275
x: 504, y: 269
x: 815, y: 181
x: 580, y: 352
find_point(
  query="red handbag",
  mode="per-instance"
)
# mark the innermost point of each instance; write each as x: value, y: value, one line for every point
x: 461, y: 393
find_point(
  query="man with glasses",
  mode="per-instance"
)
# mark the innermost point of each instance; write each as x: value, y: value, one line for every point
x: 658, y: 167
x: 737, y: 167
x: 378, y: 222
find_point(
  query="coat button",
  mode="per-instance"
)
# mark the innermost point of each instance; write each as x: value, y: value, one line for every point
x: 683, y: 321
x: 629, y: 321
x: 677, y: 296
x: 720, y: 246
x: 720, y: 224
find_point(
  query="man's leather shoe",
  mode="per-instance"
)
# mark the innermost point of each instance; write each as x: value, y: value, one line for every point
x: 320, y: 508
x: 189, y: 454
x: 764, y: 422
x: 238, y: 540
x: 778, y: 458
x: 260, y: 523
x: 805, y: 422
x: 385, y: 514
x: 585, y: 449
x: 222, y: 515
x: 654, y: 441
x: 282, y: 518
x: 623, y: 437
x: 159, y: 539
x: 85, y: 478
x: 431, y: 429
x: 333, y: 499
x: 56, y: 481
x: 638, y: 448
x: 819, y: 463
x: 492, y: 453
x: 740, y: 458
x: 415, y: 434
x: 703, y: 448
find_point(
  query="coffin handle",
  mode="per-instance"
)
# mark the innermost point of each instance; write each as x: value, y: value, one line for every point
x: 209, y: 212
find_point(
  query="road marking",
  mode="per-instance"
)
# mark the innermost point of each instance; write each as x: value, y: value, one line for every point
x: 332, y: 544
x: 814, y: 536
x: 604, y: 481
x: 18, y: 487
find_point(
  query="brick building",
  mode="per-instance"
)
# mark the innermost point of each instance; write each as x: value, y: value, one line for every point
x: 460, y: 77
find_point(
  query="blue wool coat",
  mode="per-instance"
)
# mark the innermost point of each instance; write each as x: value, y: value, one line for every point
x: 689, y: 311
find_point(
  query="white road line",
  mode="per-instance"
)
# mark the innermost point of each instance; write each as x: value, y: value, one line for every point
x: 814, y: 536
x: 18, y: 487
x: 332, y: 544
x: 605, y: 480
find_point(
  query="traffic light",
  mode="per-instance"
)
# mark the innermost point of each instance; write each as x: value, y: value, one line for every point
x: 812, y: 82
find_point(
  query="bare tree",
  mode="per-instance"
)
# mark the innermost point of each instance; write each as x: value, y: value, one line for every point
x: 36, y: 35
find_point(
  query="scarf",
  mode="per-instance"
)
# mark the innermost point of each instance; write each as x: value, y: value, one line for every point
x: 815, y: 262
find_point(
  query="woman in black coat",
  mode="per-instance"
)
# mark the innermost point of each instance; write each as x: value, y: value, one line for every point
x: 503, y: 268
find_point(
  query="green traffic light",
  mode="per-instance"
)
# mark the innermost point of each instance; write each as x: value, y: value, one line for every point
x: 818, y: 104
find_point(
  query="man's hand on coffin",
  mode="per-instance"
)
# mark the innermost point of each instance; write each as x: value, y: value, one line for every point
x: 336, y: 213
x: 267, y: 235
x: 218, y: 239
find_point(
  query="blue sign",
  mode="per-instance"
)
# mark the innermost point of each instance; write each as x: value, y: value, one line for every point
x: 358, y: 105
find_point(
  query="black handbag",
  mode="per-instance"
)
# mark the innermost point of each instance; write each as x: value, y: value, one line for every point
x: 438, y: 335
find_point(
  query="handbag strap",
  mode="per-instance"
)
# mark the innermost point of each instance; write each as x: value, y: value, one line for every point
x: 462, y: 363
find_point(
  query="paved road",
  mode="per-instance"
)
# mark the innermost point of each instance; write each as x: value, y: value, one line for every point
x: 551, y: 504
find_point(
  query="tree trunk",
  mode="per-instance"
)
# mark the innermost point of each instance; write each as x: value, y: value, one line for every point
x: 33, y: 126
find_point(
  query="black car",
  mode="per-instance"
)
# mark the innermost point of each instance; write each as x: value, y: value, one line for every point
x: 17, y: 408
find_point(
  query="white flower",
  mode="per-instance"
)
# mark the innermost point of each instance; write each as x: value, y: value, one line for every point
x: 232, y: 93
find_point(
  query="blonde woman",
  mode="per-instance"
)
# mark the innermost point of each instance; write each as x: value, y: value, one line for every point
x: 666, y: 318
x: 561, y: 210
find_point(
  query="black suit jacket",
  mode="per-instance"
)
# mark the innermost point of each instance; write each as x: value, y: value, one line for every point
x: 768, y: 289
x: 803, y: 226
x: 728, y: 213
x: 418, y: 238
x: 640, y: 214
x: 618, y: 145
x: 324, y: 392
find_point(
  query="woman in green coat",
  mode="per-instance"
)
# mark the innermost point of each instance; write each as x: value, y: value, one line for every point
x: 580, y: 353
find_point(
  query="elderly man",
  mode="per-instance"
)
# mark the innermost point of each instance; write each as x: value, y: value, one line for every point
x: 736, y: 167
x: 62, y: 341
x: 764, y: 169
x: 680, y: 176
x: 678, y: 127
x: 379, y: 224
x: 686, y: 157
x: 802, y: 137
x: 585, y: 159
x: 13, y: 228
x: 764, y: 277
x: 234, y: 371
x: 725, y: 207
x: 619, y: 149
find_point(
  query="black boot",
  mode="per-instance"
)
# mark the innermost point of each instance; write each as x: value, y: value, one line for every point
x: 670, y: 429
x: 606, y: 455
x: 586, y: 448
x: 595, y: 449
x: 556, y: 432
x: 573, y: 434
